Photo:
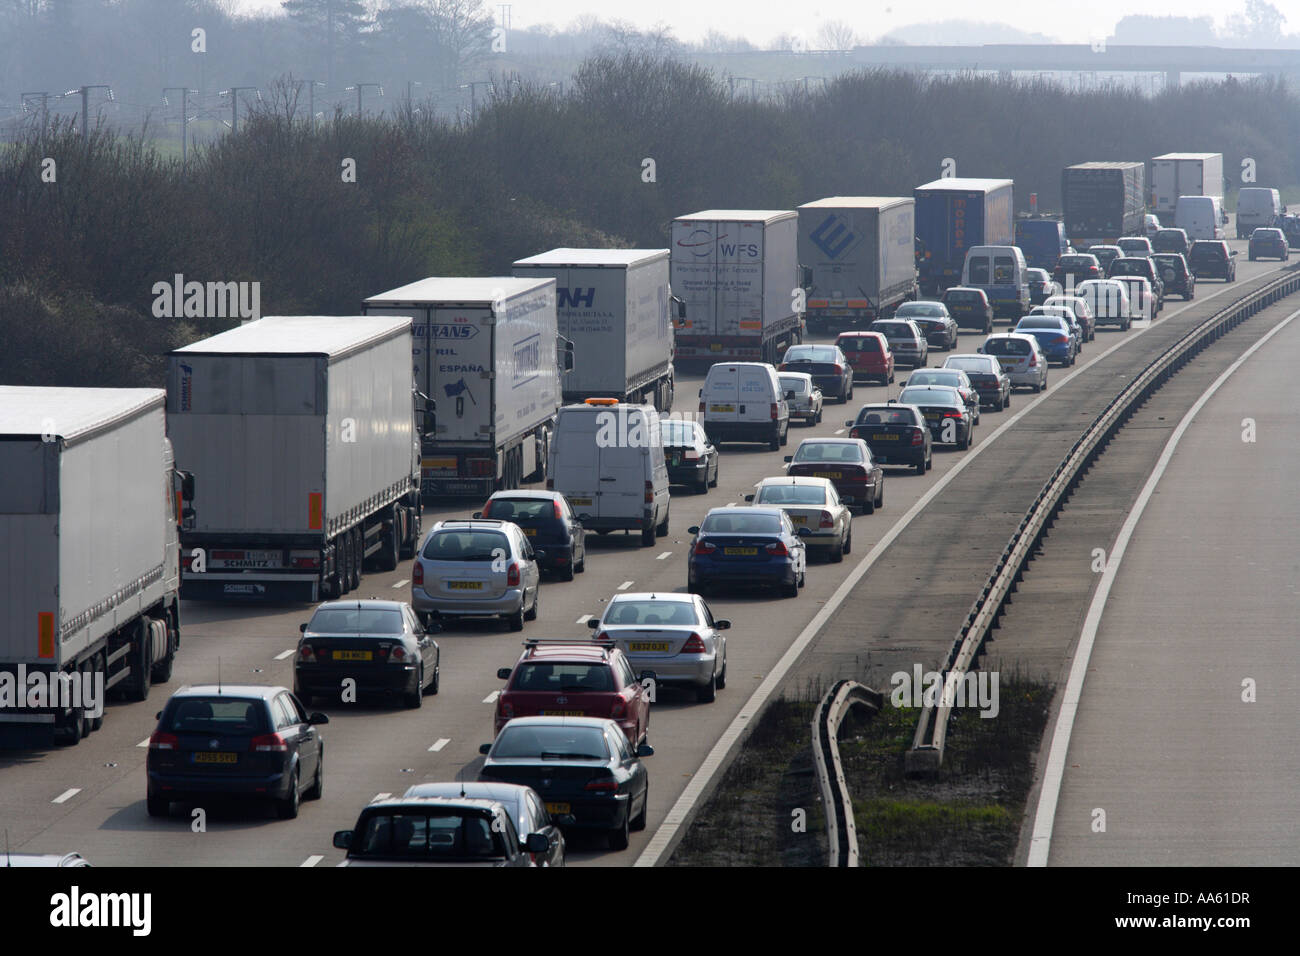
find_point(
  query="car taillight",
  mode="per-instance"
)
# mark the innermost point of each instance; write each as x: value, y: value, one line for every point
x: 1033, y: 359
x: 559, y: 512
x: 649, y: 492
x: 774, y: 411
x: 853, y: 433
x: 398, y: 655
x: 694, y: 645
x: 268, y: 743
x: 691, y: 455
x: 1062, y: 339
x: 504, y: 708
x: 918, y: 436
x: 618, y: 708
x: 827, y: 520
x: 705, y: 547
x: 951, y: 414
x: 306, y: 655
x: 778, y: 548
x: 603, y: 785
x: 417, y: 573
x: 487, y: 510
x: 512, y: 575
x: 601, y: 636
x: 163, y: 741
x: 839, y: 369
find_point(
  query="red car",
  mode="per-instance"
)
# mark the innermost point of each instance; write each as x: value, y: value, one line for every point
x: 847, y: 462
x: 869, y: 354
x: 575, y: 679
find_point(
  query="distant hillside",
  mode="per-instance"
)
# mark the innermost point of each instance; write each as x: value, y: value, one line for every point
x: 962, y: 32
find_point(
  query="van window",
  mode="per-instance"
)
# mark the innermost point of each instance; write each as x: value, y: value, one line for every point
x: 979, y: 271
x: 1003, y: 270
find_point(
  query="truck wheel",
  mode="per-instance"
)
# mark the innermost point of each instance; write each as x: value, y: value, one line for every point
x: 390, y: 556
x: 141, y: 664
x: 354, y: 562
x: 162, y: 671
x: 541, y: 444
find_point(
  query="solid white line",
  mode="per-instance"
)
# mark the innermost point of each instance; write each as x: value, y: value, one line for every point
x: 283, y: 654
x: 583, y: 620
x: 310, y: 861
x: 380, y: 796
x: 840, y: 431
x: 658, y: 844
x: 1040, y: 843
x: 402, y: 583
x: 664, y: 555
x: 624, y: 586
x: 66, y: 795
x: 143, y: 743
x: 439, y: 744
x: 491, y: 698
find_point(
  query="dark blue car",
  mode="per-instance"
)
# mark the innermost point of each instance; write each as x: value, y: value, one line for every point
x: 1053, y: 334
x: 757, y: 546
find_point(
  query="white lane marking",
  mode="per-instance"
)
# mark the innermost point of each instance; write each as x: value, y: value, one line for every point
x: 491, y: 698
x: 583, y: 620
x: 283, y: 654
x: 143, y: 743
x: 310, y: 861
x: 1040, y: 843
x: 66, y: 795
x: 380, y: 796
x: 402, y: 583
x: 439, y: 744
x: 664, y: 555
x: 664, y: 837
x: 624, y: 586
x: 840, y: 431
x: 731, y: 504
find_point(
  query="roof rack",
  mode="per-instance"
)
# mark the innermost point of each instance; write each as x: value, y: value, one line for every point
x: 570, y: 641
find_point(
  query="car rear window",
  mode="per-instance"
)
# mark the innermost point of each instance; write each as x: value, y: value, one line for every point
x: 676, y: 432
x: 562, y: 677
x: 1007, y: 347
x: 893, y: 330
x: 356, y: 620
x: 928, y: 396
x: 860, y: 343
x: 796, y: 385
x: 466, y: 545
x: 804, y: 354
x: 216, y: 715
x: 1077, y: 262
x: 912, y: 309
x: 934, y: 377
x: 732, y: 523
x: 886, y: 416
x: 525, y: 740
x: 828, y: 451
x: 1206, y: 250
x: 431, y: 835
x: 791, y: 495
x: 964, y: 298
x: 510, y: 509
x: 1041, y: 322
x: 970, y: 364
x: 652, y: 613
x: 1122, y: 268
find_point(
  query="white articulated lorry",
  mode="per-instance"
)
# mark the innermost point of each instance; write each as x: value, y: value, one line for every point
x: 487, y: 370
x: 300, y: 433
x: 89, y: 565
x: 737, y: 271
x: 615, y: 306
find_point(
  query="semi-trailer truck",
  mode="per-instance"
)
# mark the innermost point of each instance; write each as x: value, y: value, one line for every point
x: 952, y: 215
x: 300, y: 434
x: 89, y: 566
x: 1103, y: 201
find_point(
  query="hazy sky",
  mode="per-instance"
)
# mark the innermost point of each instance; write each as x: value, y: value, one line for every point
x: 761, y: 20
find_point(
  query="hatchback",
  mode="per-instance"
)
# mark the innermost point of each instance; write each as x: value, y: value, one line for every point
x: 1268, y: 242
x: 970, y: 308
x: 1054, y: 335
x: 803, y: 397
x: 988, y: 377
x: 548, y: 521
x: 1134, y: 246
x: 906, y: 341
x: 933, y: 319
x: 1079, y: 306
x: 1178, y: 279
x: 479, y: 568
x: 675, y: 636
x: 828, y: 366
x: 451, y: 830
x: 1212, y: 259
x: 525, y: 806
x: 869, y: 354
x: 1109, y: 301
x: 1021, y: 357
x: 691, y: 458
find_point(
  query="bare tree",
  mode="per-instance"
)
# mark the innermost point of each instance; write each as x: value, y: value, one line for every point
x: 836, y: 35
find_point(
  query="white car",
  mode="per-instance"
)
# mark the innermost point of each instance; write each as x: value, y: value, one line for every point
x: 1020, y: 356
x: 803, y: 397
x: 1108, y: 300
x: 811, y: 503
x: 1153, y: 225
x: 1143, y: 303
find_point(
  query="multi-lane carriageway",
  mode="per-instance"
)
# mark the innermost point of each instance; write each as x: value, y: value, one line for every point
x: 90, y: 798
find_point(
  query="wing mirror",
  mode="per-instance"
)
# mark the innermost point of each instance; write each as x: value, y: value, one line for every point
x: 503, y: 673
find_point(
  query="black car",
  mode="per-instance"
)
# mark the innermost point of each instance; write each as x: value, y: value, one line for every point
x: 433, y: 830
x: 934, y: 321
x: 1139, y: 266
x: 351, y: 649
x: 548, y: 520
x: 1041, y: 286
x: 1171, y: 240
x: 945, y: 411
x: 691, y: 458
x: 524, y: 804
x: 583, y: 768
x: 1270, y: 242
x: 1212, y: 259
x: 238, y: 740
x: 1290, y: 226
x: 1178, y: 279
x: 1072, y: 269
x: 970, y: 308
x: 828, y: 366
x: 896, y: 434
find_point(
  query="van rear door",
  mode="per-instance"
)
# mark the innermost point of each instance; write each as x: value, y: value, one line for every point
x: 756, y: 394
x: 574, y: 460
x: 721, y: 398
x: 621, y: 469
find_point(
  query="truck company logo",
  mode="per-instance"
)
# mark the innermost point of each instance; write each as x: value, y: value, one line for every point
x: 528, y: 360
x: 207, y: 300
x: 77, y: 909
x: 700, y: 242
x: 575, y: 298
x: 461, y: 332
x: 187, y: 387
x: 42, y: 689
x: 834, y: 237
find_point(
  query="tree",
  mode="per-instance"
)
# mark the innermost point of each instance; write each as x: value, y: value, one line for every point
x: 337, y: 22
x: 462, y: 31
x: 836, y: 35
x: 1259, y: 25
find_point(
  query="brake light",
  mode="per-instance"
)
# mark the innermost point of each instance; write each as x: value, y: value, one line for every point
x: 694, y: 645
x: 482, y: 467
x: 601, y: 636
x: 649, y: 492
x: 918, y: 436
x: 417, y: 574
x: 774, y: 411
x: 778, y: 549
x: 306, y: 655
x: 1062, y: 339
x: 827, y: 521
x: 609, y: 786
x: 398, y: 655
x: 559, y: 512
x: 618, y: 708
x: 512, y: 575
x: 701, y: 406
x: 854, y: 433
x: 705, y: 547
x: 692, y: 455
x: 163, y: 741
x: 268, y: 743
x: 839, y: 369
x: 505, y: 709
x: 312, y: 562
x: 1033, y: 359
x: 953, y: 414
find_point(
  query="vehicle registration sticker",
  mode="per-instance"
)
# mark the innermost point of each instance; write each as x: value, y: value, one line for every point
x: 465, y: 585
x: 745, y: 551
x: 828, y: 474
x: 643, y: 647
x: 210, y: 757
x: 354, y: 655
x: 559, y: 809
x: 722, y: 408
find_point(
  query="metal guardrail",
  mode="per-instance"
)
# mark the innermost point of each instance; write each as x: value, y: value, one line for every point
x: 840, y: 829
x: 926, y: 754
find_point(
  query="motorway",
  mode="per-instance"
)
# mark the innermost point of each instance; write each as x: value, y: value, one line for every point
x: 90, y: 798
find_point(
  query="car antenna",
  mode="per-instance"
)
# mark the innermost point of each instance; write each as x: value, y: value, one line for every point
x: 218, y: 675
x: 8, y: 862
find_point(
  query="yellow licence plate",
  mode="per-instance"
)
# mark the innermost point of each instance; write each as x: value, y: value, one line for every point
x: 648, y: 646
x: 722, y: 408
x: 884, y: 438
x: 531, y: 532
x: 564, y: 713
x: 580, y: 501
x: 749, y: 551
x: 354, y: 655
x: 828, y: 474
x: 209, y: 757
x: 798, y: 519
x: 559, y: 809
x: 465, y: 585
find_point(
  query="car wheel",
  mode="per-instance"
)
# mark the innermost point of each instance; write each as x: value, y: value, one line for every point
x: 582, y: 565
x: 890, y: 380
x: 662, y: 528
x: 317, y: 788
x: 157, y: 806
x: 568, y: 570
x: 701, y: 487
x: 717, y: 470
x: 880, y: 498
x: 287, y: 809
x: 618, y: 837
x: 638, y: 822
x: 869, y: 507
x: 531, y: 613
x: 785, y: 435
x: 775, y: 442
x: 849, y: 398
x: 818, y: 419
x: 836, y: 554
x: 413, y: 699
x: 1006, y: 402
x: 791, y: 589
x: 706, y: 693
x: 921, y: 467
x: 437, y: 676
x: 929, y: 463
x: 516, y: 620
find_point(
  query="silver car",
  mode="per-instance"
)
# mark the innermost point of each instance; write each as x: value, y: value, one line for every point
x: 1021, y: 358
x: 673, y: 635
x: 803, y: 397
x: 811, y: 503
x: 437, y: 831
x: 477, y: 568
x: 525, y: 806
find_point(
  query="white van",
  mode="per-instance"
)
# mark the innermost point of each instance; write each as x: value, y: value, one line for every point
x: 1003, y: 275
x: 1256, y: 207
x: 607, y: 459
x: 743, y: 401
x: 1200, y: 216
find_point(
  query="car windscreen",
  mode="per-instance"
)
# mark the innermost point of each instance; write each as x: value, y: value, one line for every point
x: 356, y: 620
x: 216, y: 714
x: 1008, y: 347
x: 791, y: 495
x: 928, y: 396
x: 519, y: 509
x: 732, y: 523
x: 431, y: 836
x: 466, y: 546
x: 651, y: 613
x: 828, y: 451
x: 563, y: 677
x: 539, y: 741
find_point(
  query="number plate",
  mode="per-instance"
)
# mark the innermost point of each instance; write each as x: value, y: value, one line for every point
x: 798, y: 519
x: 828, y: 474
x: 209, y: 757
x: 932, y: 416
x: 744, y: 551
x: 1008, y: 362
x: 531, y: 532
x: 580, y: 501
x: 564, y: 713
x: 884, y: 438
x: 715, y: 346
x: 643, y: 647
x: 559, y: 809
x: 465, y: 585
x: 722, y: 408
x: 354, y: 655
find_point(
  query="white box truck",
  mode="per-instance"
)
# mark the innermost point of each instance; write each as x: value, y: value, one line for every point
x: 89, y: 567
x: 487, y: 370
x: 614, y: 305
x: 300, y: 434
x: 858, y: 259
x: 737, y: 272
x: 1184, y: 174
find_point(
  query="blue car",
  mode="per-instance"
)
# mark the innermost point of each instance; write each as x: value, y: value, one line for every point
x: 747, y: 546
x: 1054, y: 335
